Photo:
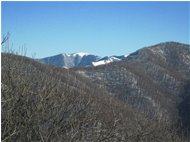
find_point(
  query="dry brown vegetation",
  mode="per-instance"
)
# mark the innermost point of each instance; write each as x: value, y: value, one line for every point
x: 151, y: 80
x: 44, y: 103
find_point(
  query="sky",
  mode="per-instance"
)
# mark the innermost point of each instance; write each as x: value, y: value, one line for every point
x: 100, y: 28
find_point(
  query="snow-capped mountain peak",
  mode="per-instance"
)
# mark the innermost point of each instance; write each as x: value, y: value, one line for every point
x: 81, y: 54
x: 80, y: 59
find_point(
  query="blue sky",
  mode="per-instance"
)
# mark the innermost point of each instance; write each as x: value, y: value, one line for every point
x: 101, y: 28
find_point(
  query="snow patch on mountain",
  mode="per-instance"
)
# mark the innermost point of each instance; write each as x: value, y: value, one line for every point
x: 105, y: 61
x: 81, y: 54
x: 126, y: 55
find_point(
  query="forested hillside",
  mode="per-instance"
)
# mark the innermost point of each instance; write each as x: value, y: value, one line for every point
x: 44, y: 103
x: 154, y: 80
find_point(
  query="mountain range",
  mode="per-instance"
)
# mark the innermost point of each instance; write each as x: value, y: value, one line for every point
x: 144, y: 96
x: 79, y: 60
x: 154, y: 79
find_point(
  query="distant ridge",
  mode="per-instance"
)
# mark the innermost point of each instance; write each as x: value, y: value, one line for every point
x: 80, y: 59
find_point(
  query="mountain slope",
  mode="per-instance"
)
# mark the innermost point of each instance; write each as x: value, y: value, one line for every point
x: 70, y: 60
x: 44, y: 103
x: 151, y: 79
x: 107, y: 60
